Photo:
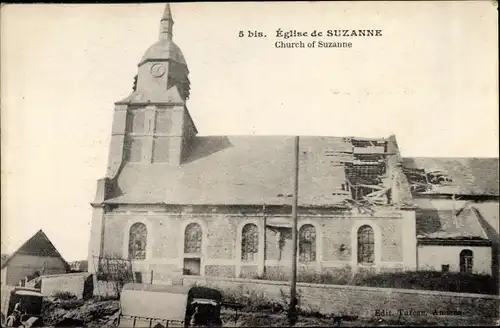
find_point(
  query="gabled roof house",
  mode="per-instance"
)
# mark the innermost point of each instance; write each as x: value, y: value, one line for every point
x: 36, y: 256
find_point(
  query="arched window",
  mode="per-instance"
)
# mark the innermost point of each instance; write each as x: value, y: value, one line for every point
x: 366, y: 245
x: 192, y: 239
x: 137, y: 241
x: 466, y: 261
x: 249, y: 242
x: 307, y: 243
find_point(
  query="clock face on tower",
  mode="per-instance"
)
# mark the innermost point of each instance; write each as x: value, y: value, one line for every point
x: 157, y: 70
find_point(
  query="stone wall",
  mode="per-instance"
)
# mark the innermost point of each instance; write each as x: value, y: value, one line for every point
x: 106, y: 289
x: 354, y: 300
x: 336, y: 242
x: 78, y: 284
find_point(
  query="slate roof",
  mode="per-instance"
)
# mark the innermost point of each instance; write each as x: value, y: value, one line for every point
x: 471, y: 176
x: 441, y: 224
x: 258, y: 170
x: 241, y: 170
x: 38, y: 245
x: 490, y: 212
x: 164, y: 49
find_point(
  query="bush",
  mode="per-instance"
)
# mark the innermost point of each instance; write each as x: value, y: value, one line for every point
x: 420, y: 280
x: 99, y: 298
x: 64, y: 295
x: 311, y: 313
x: 340, y: 277
x: 254, y: 301
x: 430, y: 280
x: 71, y: 304
x: 257, y: 302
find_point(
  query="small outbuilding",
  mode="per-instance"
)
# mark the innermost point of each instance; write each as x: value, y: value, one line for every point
x: 37, y: 256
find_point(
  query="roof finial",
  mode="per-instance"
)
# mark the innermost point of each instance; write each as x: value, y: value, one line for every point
x: 166, y: 24
x: 167, y: 14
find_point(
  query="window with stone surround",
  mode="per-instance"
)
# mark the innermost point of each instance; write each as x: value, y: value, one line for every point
x: 466, y: 261
x: 193, y: 239
x: 366, y: 245
x: 307, y: 243
x: 249, y: 242
x: 137, y: 241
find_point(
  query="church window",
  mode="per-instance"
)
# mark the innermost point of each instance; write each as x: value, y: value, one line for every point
x: 137, y: 241
x: 192, y: 239
x: 249, y: 242
x: 163, y: 122
x: 307, y: 243
x: 133, y: 150
x: 466, y: 261
x: 161, y: 149
x: 366, y: 245
x: 135, y: 121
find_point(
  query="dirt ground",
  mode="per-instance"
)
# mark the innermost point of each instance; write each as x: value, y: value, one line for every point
x: 94, y: 314
x: 78, y: 313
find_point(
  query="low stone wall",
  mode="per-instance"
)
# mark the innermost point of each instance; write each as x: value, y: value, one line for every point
x: 108, y: 289
x: 105, y: 289
x: 78, y: 284
x: 355, y: 300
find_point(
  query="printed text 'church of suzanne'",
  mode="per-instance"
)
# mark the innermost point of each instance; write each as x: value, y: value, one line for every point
x: 221, y: 205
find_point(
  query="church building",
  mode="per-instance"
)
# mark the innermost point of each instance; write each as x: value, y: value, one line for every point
x: 221, y: 205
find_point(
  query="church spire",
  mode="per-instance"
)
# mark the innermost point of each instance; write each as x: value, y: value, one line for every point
x: 162, y: 66
x: 166, y: 24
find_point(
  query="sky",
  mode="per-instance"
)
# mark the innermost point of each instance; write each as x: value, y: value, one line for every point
x: 431, y: 79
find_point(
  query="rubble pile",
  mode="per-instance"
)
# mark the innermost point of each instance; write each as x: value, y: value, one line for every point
x: 78, y: 313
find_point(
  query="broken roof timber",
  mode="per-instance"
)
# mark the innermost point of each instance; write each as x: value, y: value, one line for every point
x: 379, y: 150
x: 368, y: 139
x: 377, y: 187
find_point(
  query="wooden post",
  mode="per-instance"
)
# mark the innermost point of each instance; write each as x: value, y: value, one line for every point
x: 454, y: 210
x: 292, y: 311
x: 264, y: 237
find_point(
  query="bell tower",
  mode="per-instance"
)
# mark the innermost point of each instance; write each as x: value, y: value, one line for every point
x: 153, y: 125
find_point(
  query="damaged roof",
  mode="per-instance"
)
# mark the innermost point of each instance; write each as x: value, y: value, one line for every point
x: 443, y: 224
x: 241, y: 170
x: 469, y: 176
